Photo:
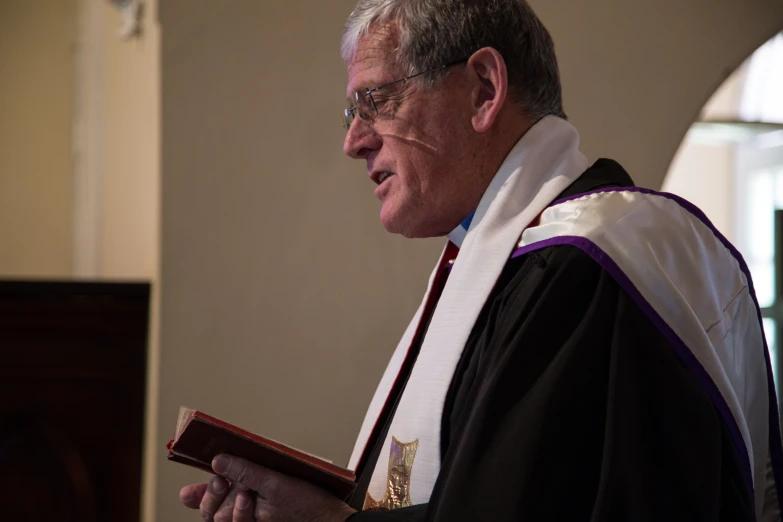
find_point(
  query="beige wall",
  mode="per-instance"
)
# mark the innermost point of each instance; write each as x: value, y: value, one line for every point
x: 36, y: 117
x: 637, y: 73
x: 130, y: 188
x: 118, y: 150
x: 282, y: 296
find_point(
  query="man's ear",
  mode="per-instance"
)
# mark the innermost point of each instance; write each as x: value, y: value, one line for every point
x: 489, y: 77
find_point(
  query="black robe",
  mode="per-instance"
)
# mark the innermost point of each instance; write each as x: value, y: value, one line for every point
x: 569, y: 405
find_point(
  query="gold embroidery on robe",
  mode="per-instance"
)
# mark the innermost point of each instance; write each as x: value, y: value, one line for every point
x: 398, y: 481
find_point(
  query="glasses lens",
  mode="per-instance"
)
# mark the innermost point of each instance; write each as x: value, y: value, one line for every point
x: 348, y: 117
x: 364, y: 108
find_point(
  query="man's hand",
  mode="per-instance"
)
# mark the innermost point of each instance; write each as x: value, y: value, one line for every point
x: 260, y: 494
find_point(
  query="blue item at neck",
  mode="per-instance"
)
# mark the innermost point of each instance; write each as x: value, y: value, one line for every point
x: 466, y: 222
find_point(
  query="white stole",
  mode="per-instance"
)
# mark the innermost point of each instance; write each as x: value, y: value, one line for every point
x: 544, y: 162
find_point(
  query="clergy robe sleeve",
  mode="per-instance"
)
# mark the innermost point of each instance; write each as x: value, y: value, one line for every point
x: 568, y: 404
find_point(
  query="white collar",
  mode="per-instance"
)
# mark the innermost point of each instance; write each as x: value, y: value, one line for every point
x: 541, y: 134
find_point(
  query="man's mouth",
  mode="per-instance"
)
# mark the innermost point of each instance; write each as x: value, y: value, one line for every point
x: 383, y: 176
x: 380, y: 177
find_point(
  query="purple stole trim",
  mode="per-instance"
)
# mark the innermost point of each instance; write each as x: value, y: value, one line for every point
x: 687, y: 357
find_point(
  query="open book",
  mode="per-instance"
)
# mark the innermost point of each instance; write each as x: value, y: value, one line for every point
x: 199, y: 438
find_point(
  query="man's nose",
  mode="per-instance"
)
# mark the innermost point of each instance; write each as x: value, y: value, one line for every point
x: 361, y: 139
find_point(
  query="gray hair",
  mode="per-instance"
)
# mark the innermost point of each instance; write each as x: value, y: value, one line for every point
x: 433, y: 33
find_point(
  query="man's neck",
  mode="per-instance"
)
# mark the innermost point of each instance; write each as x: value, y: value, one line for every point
x: 502, y: 143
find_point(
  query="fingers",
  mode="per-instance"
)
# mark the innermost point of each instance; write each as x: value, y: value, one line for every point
x: 244, y: 507
x: 191, y: 495
x: 271, y: 496
x: 255, y: 477
x: 213, y: 497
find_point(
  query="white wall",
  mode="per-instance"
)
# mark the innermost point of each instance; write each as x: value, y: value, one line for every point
x: 703, y: 170
x: 36, y: 118
x: 703, y: 174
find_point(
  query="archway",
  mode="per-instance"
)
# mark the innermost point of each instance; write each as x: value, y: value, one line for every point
x: 730, y: 164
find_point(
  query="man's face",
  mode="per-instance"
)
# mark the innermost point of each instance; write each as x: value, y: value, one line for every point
x: 417, y: 148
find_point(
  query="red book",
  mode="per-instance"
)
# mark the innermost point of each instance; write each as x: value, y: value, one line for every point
x: 199, y: 438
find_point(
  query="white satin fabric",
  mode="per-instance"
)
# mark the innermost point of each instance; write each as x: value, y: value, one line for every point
x: 696, y: 285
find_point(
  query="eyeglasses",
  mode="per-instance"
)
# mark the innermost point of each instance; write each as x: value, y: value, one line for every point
x: 364, y: 105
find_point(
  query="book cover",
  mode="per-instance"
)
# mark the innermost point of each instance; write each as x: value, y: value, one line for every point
x: 200, y: 437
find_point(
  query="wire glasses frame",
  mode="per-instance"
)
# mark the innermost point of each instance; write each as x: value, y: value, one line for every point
x: 350, y: 113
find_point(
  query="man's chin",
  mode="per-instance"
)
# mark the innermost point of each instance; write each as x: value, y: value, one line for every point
x: 396, y: 224
x: 392, y: 225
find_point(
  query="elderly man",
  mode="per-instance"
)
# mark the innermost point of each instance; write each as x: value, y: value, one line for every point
x: 586, y: 350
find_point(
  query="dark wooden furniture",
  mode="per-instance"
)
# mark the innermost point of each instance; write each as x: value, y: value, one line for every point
x: 72, y: 389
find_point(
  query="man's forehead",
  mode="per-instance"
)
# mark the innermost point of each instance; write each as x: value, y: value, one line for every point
x: 375, y: 57
x: 377, y: 45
